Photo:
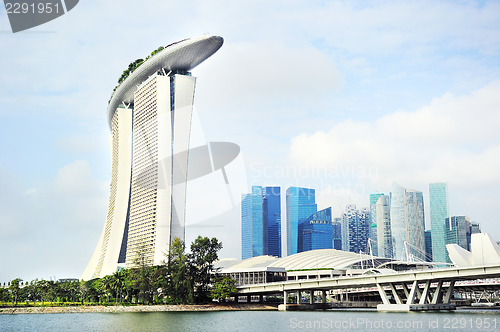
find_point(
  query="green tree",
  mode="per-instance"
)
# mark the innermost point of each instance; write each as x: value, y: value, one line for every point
x: 14, y: 289
x: 43, y: 289
x: 106, y: 283
x: 4, y: 295
x: 204, y: 252
x: 141, y: 275
x: 117, y: 284
x: 179, y: 282
x: 223, y: 288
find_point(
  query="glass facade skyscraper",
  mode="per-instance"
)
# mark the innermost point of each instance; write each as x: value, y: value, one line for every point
x: 407, y: 223
x: 261, y: 222
x: 316, y: 231
x: 337, y: 233
x: 272, y: 215
x: 300, y: 204
x: 355, y: 228
x: 372, y: 233
x: 428, y: 246
x: 383, y: 220
x: 439, y: 211
x: 459, y: 232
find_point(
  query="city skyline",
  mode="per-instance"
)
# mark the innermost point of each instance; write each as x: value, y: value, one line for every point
x: 363, y: 94
x: 352, y: 231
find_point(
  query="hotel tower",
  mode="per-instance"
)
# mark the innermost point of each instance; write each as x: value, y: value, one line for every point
x: 150, y: 120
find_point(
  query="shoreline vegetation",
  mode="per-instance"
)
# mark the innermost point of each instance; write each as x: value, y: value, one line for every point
x: 133, y: 308
x: 183, y: 278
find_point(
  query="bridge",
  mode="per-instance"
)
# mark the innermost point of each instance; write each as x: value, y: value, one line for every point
x: 399, y: 291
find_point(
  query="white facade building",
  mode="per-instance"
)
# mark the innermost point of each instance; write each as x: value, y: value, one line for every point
x: 407, y: 224
x: 383, y: 220
x: 150, y: 119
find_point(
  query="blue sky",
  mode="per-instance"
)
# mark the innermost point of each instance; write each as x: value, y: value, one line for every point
x: 344, y: 97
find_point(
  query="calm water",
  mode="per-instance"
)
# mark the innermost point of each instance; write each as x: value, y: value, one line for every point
x: 257, y: 321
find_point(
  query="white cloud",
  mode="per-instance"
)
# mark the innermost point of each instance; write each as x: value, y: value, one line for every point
x: 453, y: 139
x: 51, y: 224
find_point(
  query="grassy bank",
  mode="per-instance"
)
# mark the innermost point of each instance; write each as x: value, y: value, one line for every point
x: 132, y: 308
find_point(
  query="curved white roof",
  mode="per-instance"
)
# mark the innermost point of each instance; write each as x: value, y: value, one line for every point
x: 322, y: 259
x: 182, y: 56
x: 307, y: 260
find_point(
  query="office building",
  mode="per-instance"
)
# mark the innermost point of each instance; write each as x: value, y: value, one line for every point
x: 355, y: 228
x: 261, y: 222
x: 407, y: 224
x: 459, y: 232
x: 383, y: 220
x: 337, y: 233
x: 316, y: 232
x: 300, y: 204
x: 439, y: 211
x: 428, y: 245
x: 373, y: 233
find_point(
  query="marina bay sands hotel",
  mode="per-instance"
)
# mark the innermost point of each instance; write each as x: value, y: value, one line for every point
x: 149, y: 116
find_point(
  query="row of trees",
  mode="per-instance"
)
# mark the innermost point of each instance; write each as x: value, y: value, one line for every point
x: 184, y: 278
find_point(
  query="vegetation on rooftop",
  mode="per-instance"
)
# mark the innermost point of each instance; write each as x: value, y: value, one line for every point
x: 132, y: 67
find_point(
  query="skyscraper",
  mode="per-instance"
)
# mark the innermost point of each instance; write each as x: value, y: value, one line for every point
x: 149, y: 115
x: 458, y: 232
x: 272, y: 213
x: 475, y: 228
x: 428, y: 245
x: 316, y: 231
x: 439, y: 211
x: 261, y: 222
x: 253, y: 237
x: 407, y: 223
x: 373, y: 233
x: 300, y: 204
x: 355, y: 228
x: 383, y: 220
x: 337, y: 233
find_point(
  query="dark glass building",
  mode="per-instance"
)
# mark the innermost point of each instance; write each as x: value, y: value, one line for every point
x: 316, y: 232
x: 428, y: 245
x: 272, y: 214
x: 458, y: 232
x: 337, y: 233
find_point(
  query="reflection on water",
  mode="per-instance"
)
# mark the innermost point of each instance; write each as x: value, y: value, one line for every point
x: 257, y: 321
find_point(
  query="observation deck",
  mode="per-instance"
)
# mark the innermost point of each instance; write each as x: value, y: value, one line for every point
x: 181, y: 56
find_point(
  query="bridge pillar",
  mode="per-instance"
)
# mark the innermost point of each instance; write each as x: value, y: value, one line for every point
x: 311, y: 297
x: 285, y: 297
x: 410, y: 297
x: 449, y: 292
x: 408, y: 301
x: 299, y: 297
x: 437, y: 293
x: 249, y: 298
x: 425, y: 293
x: 323, y: 297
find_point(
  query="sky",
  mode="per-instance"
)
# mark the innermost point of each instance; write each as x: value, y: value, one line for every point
x: 346, y: 97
